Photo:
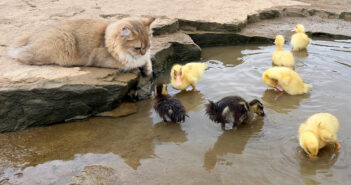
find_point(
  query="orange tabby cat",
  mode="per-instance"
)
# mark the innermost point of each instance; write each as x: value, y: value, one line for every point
x: 124, y: 44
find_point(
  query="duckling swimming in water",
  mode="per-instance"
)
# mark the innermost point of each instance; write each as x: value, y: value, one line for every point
x: 280, y: 56
x: 168, y: 108
x: 187, y: 75
x: 299, y: 40
x: 233, y: 109
x: 318, y: 131
x: 285, y: 79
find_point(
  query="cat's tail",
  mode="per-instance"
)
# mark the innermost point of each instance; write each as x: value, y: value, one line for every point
x: 20, y: 50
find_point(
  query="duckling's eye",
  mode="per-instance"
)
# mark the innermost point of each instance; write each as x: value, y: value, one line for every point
x: 175, y: 73
x: 180, y: 73
x: 137, y: 48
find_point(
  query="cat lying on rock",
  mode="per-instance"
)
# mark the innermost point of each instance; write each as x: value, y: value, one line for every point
x: 124, y: 44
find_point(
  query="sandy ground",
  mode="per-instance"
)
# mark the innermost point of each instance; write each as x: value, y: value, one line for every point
x: 337, y: 6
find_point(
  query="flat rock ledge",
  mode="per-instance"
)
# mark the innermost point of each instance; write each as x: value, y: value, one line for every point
x: 41, y: 95
x: 33, y: 96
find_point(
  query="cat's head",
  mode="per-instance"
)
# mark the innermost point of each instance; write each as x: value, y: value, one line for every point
x: 129, y: 37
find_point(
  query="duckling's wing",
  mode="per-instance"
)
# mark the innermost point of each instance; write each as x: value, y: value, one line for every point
x: 167, y: 111
x: 177, y: 112
x: 160, y: 108
x: 228, y: 115
x: 306, y: 39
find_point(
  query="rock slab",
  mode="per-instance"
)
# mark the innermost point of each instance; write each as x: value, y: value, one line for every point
x: 41, y: 95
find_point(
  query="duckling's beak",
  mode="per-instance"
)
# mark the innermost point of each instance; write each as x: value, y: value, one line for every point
x: 178, y: 80
x: 262, y: 114
x: 279, y: 88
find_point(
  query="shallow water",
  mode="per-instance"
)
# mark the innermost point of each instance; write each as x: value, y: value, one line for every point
x: 141, y: 149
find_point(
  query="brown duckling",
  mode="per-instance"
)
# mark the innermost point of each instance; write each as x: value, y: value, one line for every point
x: 168, y: 108
x: 233, y: 109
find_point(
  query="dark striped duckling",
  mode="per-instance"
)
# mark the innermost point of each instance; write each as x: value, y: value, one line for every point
x: 168, y: 108
x: 233, y: 109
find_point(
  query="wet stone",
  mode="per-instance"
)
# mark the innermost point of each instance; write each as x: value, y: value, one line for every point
x: 97, y: 174
x: 123, y: 109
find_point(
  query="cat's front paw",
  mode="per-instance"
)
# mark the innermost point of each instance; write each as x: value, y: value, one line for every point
x: 145, y: 71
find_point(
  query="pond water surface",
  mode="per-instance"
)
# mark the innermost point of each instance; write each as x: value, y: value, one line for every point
x: 141, y: 149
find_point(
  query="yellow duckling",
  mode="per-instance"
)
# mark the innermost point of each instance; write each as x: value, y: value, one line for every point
x: 187, y: 75
x: 299, y: 40
x: 280, y: 56
x: 318, y: 131
x: 285, y: 79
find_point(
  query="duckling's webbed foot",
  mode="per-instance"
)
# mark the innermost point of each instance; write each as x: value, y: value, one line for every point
x: 194, y: 88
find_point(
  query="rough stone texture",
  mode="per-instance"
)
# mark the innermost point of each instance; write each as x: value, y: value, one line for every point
x: 178, y: 47
x: 165, y: 26
x: 314, y: 25
x: 188, y: 25
x: 328, y: 6
x: 346, y: 16
x: 222, y: 39
x: 45, y: 101
x: 296, y: 12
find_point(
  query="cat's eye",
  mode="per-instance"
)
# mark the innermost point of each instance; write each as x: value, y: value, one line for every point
x: 137, y: 48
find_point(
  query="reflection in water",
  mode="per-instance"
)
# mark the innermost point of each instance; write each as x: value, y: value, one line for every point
x: 231, y: 142
x: 282, y: 102
x: 327, y: 157
x: 169, y: 132
x: 300, y: 54
x: 191, y: 100
x: 132, y: 140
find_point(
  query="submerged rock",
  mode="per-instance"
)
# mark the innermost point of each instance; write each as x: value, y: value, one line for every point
x: 97, y: 174
x: 124, y: 109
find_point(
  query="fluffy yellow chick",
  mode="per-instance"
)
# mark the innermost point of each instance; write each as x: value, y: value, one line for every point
x: 280, y: 56
x: 318, y: 131
x: 187, y: 75
x: 299, y: 40
x: 285, y: 79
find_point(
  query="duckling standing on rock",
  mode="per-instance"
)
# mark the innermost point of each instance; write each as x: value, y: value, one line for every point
x: 233, y: 109
x: 168, y: 108
x: 318, y: 131
x: 299, y: 40
x: 282, y: 57
x: 285, y: 79
x: 188, y: 75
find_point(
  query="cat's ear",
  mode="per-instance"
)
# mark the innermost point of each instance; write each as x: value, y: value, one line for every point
x: 148, y: 21
x: 125, y: 33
